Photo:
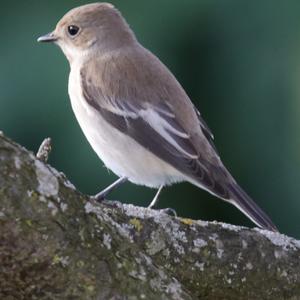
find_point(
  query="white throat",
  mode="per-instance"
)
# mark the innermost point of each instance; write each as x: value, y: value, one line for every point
x: 74, y: 54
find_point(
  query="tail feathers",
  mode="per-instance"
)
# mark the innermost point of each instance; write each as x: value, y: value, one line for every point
x: 244, y: 203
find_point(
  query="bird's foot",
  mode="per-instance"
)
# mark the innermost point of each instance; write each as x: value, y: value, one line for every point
x: 169, y: 211
x: 102, y: 195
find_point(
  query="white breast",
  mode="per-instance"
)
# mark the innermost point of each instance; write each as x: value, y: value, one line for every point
x: 119, y: 152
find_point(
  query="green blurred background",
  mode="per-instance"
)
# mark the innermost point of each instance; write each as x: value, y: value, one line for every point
x: 238, y: 60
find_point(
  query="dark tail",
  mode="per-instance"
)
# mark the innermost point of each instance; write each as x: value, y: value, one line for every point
x: 243, y: 202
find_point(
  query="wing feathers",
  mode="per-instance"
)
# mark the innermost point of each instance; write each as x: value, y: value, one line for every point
x: 250, y: 208
x: 157, y: 129
x: 172, y: 135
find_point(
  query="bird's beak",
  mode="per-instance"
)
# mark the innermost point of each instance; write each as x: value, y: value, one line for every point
x: 47, y: 38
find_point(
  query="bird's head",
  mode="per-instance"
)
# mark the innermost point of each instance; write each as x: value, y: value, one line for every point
x: 93, y: 27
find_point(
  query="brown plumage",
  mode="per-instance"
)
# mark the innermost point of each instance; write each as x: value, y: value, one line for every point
x: 135, y: 114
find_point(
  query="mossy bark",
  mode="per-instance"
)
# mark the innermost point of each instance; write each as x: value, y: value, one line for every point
x: 55, y: 243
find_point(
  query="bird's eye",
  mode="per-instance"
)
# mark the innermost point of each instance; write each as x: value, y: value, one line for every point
x: 73, y: 30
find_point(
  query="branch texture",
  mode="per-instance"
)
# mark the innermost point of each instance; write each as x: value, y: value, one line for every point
x: 57, y: 244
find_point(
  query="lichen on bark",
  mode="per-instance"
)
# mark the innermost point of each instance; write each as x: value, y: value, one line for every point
x: 56, y: 243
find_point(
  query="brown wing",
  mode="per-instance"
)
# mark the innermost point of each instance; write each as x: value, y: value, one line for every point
x: 137, y: 94
x: 185, y: 144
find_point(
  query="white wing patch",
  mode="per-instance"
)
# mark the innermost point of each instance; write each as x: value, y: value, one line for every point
x: 154, y: 116
x: 163, y: 128
x: 125, y: 110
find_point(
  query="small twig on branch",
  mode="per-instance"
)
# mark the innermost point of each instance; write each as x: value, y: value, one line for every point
x: 44, y: 150
x: 56, y: 243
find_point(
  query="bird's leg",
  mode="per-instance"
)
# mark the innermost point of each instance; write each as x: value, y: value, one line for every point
x: 100, y: 196
x: 154, y: 202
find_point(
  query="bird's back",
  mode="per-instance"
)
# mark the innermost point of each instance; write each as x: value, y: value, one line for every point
x: 135, y: 81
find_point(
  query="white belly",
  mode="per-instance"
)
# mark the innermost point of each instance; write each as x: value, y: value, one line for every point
x: 120, y: 153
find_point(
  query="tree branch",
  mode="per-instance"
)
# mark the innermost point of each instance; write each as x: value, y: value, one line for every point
x: 57, y: 244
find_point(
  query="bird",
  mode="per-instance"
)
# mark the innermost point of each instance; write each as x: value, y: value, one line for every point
x: 135, y: 114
